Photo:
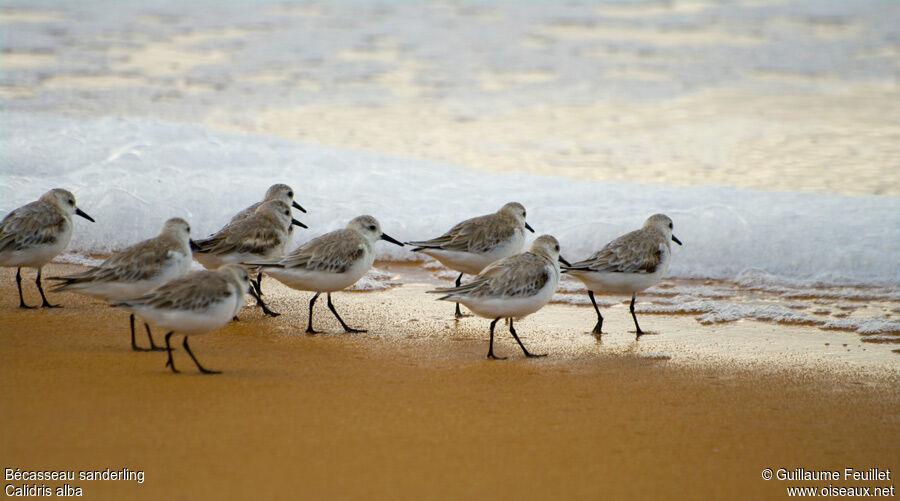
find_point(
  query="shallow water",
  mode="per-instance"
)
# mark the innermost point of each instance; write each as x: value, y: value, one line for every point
x: 765, y: 129
x: 773, y: 95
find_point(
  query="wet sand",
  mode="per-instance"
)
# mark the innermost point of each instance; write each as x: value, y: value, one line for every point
x: 412, y: 409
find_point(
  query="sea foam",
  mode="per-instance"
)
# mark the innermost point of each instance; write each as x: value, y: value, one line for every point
x: 131, y: 174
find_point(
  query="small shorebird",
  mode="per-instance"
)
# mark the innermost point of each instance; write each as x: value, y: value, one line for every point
x: 136, y: 270
x: 194, y: 304
x: 329, y: 263
x: 628, y: 264
x: 261, y: 236
x: 280, y: 192
x: 512, y: 287
x: 473, y: 244
x: 35, y: 233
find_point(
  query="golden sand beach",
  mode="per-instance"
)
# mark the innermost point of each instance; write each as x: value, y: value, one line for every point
x: 792, y: 97
x: 413, y: 410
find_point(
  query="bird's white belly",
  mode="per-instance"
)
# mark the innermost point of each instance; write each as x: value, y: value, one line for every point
x: 192, y: 322
x: 504, y: 307
x: 38, y: 255
x: 472, y: 263
x: 620, y: 283
x: 321, y: 281
x: 120, y: 290
x: 213, y: 261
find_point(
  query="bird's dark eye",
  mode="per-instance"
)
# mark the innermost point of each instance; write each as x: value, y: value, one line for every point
x: 557, y: 247
x: 71, y: 202
x: 287, y: 213
x: 670, y: 226
x: 291, y: 194
x: 372, y: 227
x: 188, y: 229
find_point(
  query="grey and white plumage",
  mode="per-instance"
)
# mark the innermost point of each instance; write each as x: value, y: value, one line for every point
x: 281, y: 192
x: 260, y: 236
x: 471, y: 245
x: 194, y: 304
x: 329, y: 263
x: 35, y: 233
x: 628, y: 264
x: 512, y: 287
x: 136, y: 270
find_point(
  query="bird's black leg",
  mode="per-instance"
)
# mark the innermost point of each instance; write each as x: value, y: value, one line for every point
x: 491, y: 346
x: 255, y: 292
x: 341, y: 320
x: 312, y: 302
x: 459, y: 313
x: 599, y: 325
x: 265, y: 309
x: 258, y: 284
x: 527, y: 354
x: 202, y: 369
x: 153, y: 346
x: 19, y: 284
x: 170, y: 362
x: 45, y: 303
x: 134, y: 345
x: 636, y: 326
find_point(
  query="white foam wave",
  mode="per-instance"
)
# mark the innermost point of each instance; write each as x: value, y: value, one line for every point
x: 132, y: 174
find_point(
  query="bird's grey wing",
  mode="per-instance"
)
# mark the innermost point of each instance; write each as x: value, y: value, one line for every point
x: 244, y: 214
x: 195, y: 292
x: 30, y: 225
x: 243, y: 237
x: 333, y: 252
x: 522, y: 275
x: 478, y: 234
x: 141, y: 261
x: 631, y: 253
x: 444, y: 240
x: 491, y: 231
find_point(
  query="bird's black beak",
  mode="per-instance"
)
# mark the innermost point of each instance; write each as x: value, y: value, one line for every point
x: 385, y: 236
x: 676, y: 240
x: 298, y: 223
x: 193, y: 244
x: 297, y: 206
x: 563, y: 261
x: 79, y: 212
x: 529, y: 228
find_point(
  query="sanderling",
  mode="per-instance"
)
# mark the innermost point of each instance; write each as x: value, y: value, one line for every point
x: 628, y: 264
x: 475, y: 243
x: 136, y: 270
x: 330, y: 262
x: 194, y: 304
x: 261, y: 236
x: 35, y: 233
x: 512, y: 287
x: 280, y: 192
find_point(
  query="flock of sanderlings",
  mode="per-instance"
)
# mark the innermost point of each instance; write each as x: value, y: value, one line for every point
x: 151, y: 279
